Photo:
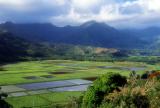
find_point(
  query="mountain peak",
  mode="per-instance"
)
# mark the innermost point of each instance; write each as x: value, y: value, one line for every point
x: 89, y: 23
x: 94, y: 23
x: 8, y: 23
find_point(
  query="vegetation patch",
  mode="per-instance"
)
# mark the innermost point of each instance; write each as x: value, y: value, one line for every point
x: 112, y: 67
x: 46, y: 100
x: 101, y: 87
x: 11, y: 89
x: 59, y: 73
x: 38, y: 92
x: 1, y: 68
x: 18, y: 94
x: 111, y: 91
x: 16, y: 72
x: 31, y: 77
x: 122, y: 68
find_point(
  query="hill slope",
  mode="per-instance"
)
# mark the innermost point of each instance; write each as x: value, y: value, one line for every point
x: 150, y: 35
x: 13, y: 48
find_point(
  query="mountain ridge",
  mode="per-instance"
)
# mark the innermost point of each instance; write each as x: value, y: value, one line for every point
x: 90, y: 33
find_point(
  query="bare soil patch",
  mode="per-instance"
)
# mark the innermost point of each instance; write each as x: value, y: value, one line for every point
x: 90, y: 78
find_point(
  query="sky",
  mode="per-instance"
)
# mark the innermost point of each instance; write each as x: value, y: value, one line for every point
x: 118, y: 13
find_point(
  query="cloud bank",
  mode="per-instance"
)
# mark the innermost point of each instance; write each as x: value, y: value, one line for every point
x: 118, y: 13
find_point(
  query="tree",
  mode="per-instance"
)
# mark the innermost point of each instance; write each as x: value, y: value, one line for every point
x: 101, y: 87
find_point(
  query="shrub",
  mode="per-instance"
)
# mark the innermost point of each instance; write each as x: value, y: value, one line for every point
x: 74, y: 102
x: 154, y: 94
x: 127, y: 98
x: 102, y: 86
x: 136, y: 94
x: 141, y: 101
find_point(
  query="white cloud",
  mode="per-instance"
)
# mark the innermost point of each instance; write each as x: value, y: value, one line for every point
x: 29, y: 5
x: 12, y: 2
x: 64, y: 12
x: 106, y: 13
x: 146, y: 5
x: 110, y: 12
x: 54, y: 2
x: 84, y: 3
x: 30, y: 2
x: 71, y: 18
x: 17, y: 5
x: 153, y: 5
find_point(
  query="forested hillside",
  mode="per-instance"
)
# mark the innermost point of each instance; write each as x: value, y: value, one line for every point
x: 13, y: 48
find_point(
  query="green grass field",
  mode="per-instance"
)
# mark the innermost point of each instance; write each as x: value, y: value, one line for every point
x: 16, y: 73
x: 42, y: 100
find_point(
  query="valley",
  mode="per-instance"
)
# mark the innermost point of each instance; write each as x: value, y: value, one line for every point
x: 79, y: 54
x: 52, y: 71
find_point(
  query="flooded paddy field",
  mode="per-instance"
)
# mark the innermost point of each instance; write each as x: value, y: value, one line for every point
x: 123, y: 68
x: 46, y: 87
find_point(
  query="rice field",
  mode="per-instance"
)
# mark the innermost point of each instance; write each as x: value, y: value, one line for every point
x: 45, y: 100
x: 16, y: 76
x: 52, y: 70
